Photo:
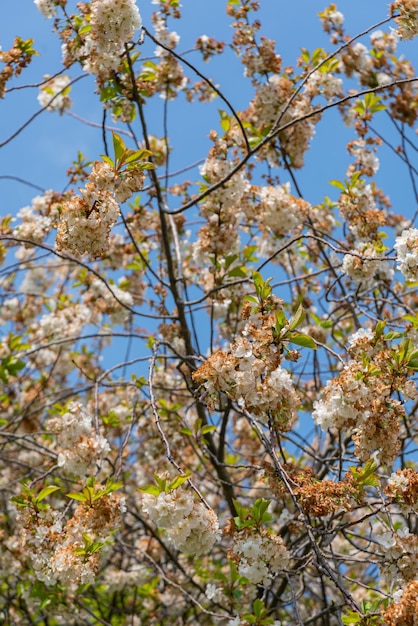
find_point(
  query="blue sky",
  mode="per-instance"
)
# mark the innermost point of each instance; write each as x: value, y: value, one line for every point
x: 44, y: 150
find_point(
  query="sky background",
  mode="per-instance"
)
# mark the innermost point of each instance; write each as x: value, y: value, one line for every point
x: 42, y: 152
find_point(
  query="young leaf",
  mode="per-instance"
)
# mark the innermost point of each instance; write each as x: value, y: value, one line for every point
x: 118, y: 146
x: 297, y: 318
x: 76, y: 496
x: 300, y: 339
x: 45, y: 492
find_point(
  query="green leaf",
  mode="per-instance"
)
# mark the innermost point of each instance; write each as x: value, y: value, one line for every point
x: 338, y: 184
x: 45, y: 492
x: 393, y: 334
x: 208, y: 429
x: 76, y: 496
x: 305, y: 55
x: 280, y: 321
x: 411, y: 318
x: 145, y: 165
x: 85, y: 29
x: 351, y: 618
x: 108, y: 160
x: 151, y: 489
x: 179, y: 480
x: 20, y: 501
x: 298, y: 318
x: 300, y: 339
x: 380, y: 327
x: 250, y: 299
x: 12, y: 365
x: 366, y: 476
x: 118, y: 146
x: 225, y: 120
x: 186, y: 431
x: 139, y: 155
x: 238, y: 272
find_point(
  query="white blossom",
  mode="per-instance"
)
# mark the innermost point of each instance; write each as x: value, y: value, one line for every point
x: 190, y: 526
x: 46, y: 7
x: 406, y: 247
x: 53, y: 94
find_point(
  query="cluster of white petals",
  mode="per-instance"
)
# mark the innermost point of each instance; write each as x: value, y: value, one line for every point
x: 86, y: 222
x: 114, y: 300
x: 54, y: 546
x: 406, y: 247
x: 79, y: 447
x: 46, y: 7
x: 163, y: 35
x: 359, y: 400
x: 400, y: 562
x: 190, y: 526
x: 228, y: 195
x: 54, y: 94
x: 65, y: 322
x: 337, y: 408
x: 362, y: 333
x: 279, y: 211
x: 222, y: 210
x: 33, y: 227
x: 356, y: 59
x: 121, y: 184
x: 325, y: 83
x: 331, y: 19
x: 388, y: 42
x: 259, y: 556
x: 243, y: 377
x: 119, y: 580
x: 36, y: 219
x: 112, y: 24
x: 408, y: 18
x: 364, y: 265
x: 364, y: 157
x: 402, y: 486
x: 336, y: 17
x: 269, y: 103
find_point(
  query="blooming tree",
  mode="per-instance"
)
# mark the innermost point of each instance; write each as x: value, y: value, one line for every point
x: 209, y: 408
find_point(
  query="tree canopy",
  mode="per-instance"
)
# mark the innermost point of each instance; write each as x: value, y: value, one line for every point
x: 209, y: 409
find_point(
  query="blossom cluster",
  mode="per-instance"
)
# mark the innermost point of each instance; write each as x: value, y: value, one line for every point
x: 54, y: 93
x: 405, y: 609
x: 365, y: 265
x: 270, y: 106
x: 190, y: 526
x: 108, y: 26
x: 251, y: 375
x: 402, y: 486
x: 406, y: 247
x: 86, y: 222
x: 121, y: 184
x: 280, y: 212
x: 361, y: 401
x: 400, y: 561
x: 163, y: 352
x: 259, y: 556
x: 46, y: 7
x: 408, y: 18
x: 78, y: 446
x: 57, y: 550
x: 111, y: 300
